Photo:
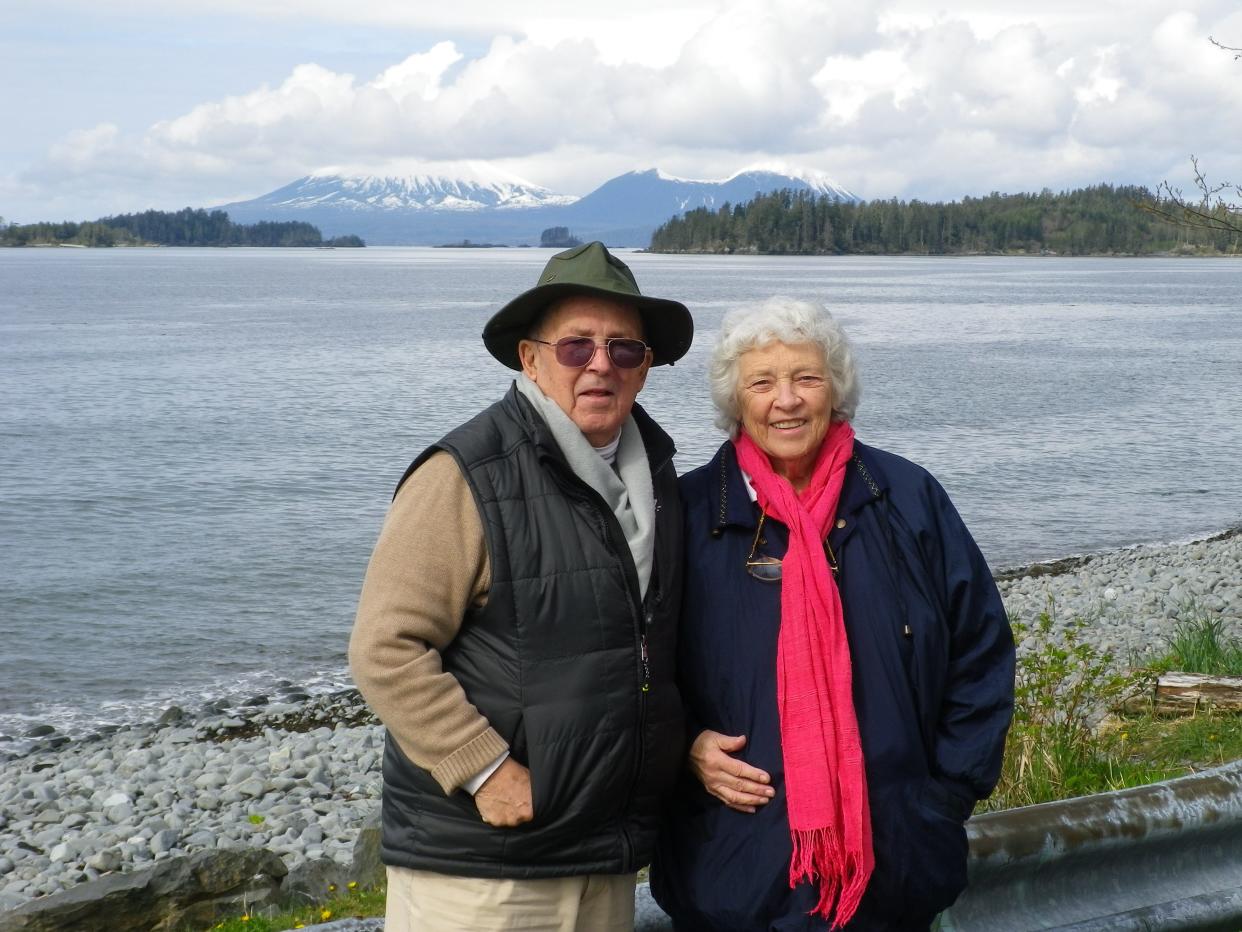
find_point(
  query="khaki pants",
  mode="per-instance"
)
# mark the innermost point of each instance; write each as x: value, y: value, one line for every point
x: 423, y: 901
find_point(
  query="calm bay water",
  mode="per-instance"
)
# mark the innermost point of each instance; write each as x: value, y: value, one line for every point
x: 197, y: 447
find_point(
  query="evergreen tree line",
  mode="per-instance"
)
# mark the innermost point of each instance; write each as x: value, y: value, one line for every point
x: 1103, y: 219
x: 187, y: 227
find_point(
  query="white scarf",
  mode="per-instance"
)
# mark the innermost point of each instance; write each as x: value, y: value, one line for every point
x: 627, y: 490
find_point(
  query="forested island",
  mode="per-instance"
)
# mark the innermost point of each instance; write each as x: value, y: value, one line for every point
x: 1099, y: 220
x: 558, y: 238
x: 187, y: 227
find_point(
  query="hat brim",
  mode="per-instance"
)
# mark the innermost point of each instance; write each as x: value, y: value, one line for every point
x: 667, y: 325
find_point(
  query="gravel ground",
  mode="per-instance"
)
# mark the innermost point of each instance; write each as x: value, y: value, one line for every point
x: 1132, y: 598
x: 299, y: 780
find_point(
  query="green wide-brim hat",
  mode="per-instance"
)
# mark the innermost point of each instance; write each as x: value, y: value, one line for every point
x: 591, y: 270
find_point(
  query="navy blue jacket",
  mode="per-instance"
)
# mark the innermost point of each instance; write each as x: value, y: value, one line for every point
x: 933, y: 670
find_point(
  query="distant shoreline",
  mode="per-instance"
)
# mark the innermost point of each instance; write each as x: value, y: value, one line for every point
x: 158, y: 246
x: 1017, y: 254
x: 188, y: 227
x: 660, y: 252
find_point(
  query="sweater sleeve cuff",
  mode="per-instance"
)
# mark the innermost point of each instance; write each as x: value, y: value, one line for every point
x: 468, y: 760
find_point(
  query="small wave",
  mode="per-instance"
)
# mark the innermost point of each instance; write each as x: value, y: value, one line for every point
x: 76, y: 720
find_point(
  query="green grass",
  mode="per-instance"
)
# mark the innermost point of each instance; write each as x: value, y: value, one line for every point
x: 1064, y: 741
x: 353, y: 903
x: 1201, y: 645
x: 1184, y: 745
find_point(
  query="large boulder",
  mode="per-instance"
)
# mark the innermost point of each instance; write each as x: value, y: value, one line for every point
x: 367, y: 869
x: 312, y: 882
x: 198, y: 889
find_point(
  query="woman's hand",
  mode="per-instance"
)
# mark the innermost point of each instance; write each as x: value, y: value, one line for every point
x: 735, y: 783
x: 504, y: 799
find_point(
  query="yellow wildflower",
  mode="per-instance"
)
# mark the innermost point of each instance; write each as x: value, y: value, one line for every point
x: 326, y: 915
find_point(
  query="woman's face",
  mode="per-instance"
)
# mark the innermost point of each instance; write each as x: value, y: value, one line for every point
x: 785, y: 396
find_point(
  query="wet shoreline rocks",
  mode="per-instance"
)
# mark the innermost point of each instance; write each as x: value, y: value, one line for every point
x: 297, y: 780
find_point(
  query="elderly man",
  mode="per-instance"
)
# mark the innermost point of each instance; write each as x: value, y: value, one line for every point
x: 516, y: 628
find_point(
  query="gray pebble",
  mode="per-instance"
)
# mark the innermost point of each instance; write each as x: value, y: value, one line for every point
x: 119, y: 814
x: 104, y: 861
x: 208, y: 802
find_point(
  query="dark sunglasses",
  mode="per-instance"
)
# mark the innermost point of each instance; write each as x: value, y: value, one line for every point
x: 576, y: 352
x: 768, y: 569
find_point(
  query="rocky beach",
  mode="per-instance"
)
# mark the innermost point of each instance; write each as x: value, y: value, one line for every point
x: 300, y: 778
x: 1132, y: 598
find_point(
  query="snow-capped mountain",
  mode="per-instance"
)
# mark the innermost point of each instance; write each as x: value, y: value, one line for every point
x: 472, y: 201
x: 466, y: 186
x: 813, y: 179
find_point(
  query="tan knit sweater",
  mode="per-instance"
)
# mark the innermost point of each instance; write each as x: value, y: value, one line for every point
x: 429, y: 567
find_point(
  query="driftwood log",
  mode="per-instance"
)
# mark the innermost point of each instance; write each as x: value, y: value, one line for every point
x: 1186, y: 693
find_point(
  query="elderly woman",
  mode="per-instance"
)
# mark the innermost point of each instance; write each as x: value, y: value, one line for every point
x: 844, y: 657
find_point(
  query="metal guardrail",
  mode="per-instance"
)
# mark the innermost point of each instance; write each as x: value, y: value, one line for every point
x: 1162, y: 857
x: 1155, y: 858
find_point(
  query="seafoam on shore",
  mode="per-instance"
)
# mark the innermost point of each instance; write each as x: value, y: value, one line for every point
x: 301, y: 779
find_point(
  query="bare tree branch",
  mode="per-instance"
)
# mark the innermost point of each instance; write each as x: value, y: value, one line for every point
x: 1228, y: 48
x: 1210, y: 212
x: 1218, y: 207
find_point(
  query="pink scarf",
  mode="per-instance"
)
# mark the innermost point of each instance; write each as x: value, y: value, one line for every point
x: 825, y: 783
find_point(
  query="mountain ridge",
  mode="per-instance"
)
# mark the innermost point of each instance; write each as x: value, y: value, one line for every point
x: 428, y: 208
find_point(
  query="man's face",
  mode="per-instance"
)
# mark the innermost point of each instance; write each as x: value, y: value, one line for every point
x: 598, y: 396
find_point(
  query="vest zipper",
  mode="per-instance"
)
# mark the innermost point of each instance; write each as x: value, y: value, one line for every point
x: 616, y: 541
x: 646, y: 665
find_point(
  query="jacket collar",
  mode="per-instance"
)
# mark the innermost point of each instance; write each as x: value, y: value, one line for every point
x: 660, y: 446
x: 864, y: 483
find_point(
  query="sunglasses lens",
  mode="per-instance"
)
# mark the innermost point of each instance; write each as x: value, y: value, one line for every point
x: 627, y: 354
x: 575, y: 352
x: 767, y: 569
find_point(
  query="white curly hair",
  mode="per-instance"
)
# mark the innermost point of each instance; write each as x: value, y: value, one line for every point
x: 784, y: 320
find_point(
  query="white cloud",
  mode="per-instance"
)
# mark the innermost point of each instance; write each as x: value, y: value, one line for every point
x: 892, y: 97
x: 1103, y: 83
x: 418, y: 75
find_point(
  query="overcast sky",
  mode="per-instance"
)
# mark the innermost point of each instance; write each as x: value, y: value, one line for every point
x: 129, y: 104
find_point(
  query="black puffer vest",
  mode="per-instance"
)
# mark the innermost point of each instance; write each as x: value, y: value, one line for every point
x: 563, y: 661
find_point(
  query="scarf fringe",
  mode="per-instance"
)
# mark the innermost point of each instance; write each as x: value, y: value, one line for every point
x: 819, y: 857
